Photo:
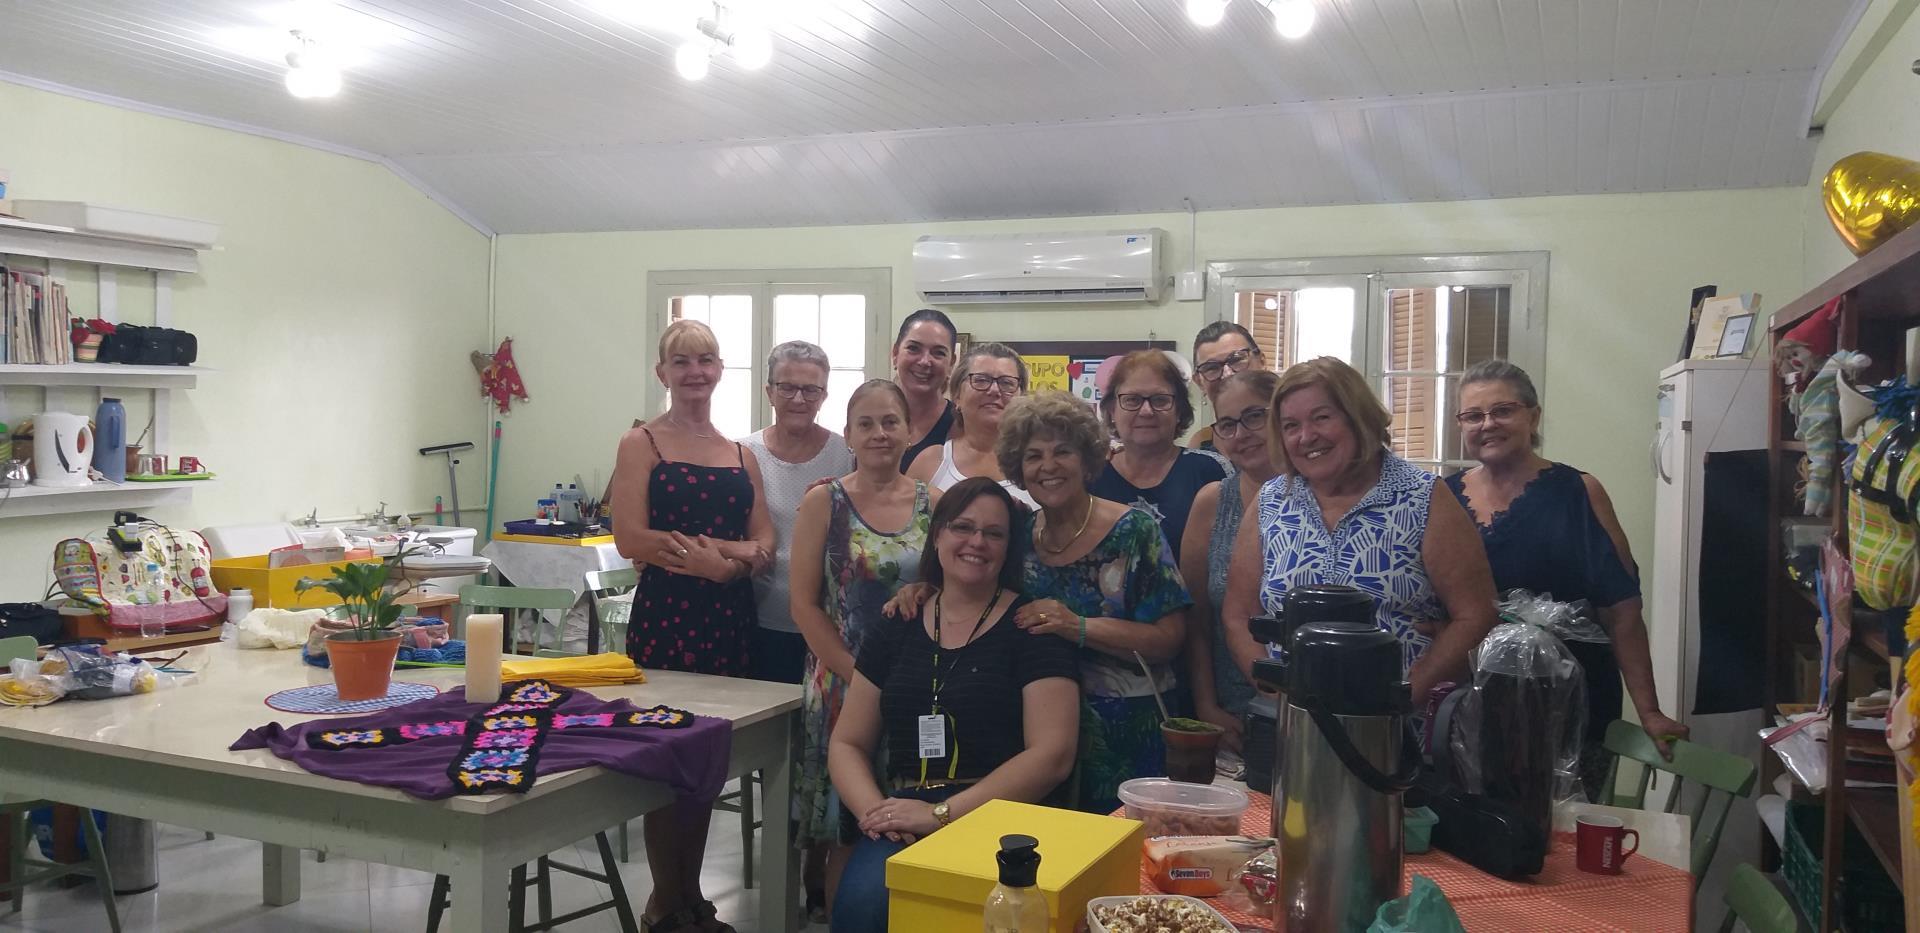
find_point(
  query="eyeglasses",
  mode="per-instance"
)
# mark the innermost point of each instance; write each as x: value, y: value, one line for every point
x: 1253, y: 419
x: 982, y: 382
x: 1159, y: 401
x: 992, y: 533
x: 1498, y: 414
x: 1216, y: 370
x: 791, y: 389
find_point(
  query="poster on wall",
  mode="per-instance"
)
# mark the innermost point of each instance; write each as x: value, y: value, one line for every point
x: 1073, y: 366
x: 1046, y: 372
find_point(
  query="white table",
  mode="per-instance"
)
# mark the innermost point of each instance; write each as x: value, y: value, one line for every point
x: 555, y: 566
x: 163, y: 756
x: 1666, y: 838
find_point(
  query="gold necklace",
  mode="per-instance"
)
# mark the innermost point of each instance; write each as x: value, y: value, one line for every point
x: 1076, y: 535
x: 683, y: 426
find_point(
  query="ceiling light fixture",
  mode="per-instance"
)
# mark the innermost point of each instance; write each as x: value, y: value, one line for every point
x: 751, y: 47
x: 1206, y: 12
x: 1292, y: 19
x: 311, y: 73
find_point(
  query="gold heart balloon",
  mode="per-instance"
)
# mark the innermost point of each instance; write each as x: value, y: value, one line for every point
x: 1870, y: 196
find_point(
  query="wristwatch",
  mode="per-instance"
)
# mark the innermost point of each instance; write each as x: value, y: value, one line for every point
x: 943, y: 813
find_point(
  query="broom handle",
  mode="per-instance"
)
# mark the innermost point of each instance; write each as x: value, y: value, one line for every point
x: 493, y: 479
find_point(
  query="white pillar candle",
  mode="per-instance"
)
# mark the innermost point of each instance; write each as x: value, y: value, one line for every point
x: 483, y: 658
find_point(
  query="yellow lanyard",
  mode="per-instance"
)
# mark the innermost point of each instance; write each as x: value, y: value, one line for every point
x: 939, y: 682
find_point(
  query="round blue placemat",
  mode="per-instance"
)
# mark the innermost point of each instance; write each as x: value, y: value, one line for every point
x: 323, y: 698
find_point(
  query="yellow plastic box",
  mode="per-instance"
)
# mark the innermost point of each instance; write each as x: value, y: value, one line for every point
x: 275, y: 587
x: 942, y: 882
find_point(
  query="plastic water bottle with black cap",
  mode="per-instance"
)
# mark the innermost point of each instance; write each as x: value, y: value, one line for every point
x: 1016, y: 906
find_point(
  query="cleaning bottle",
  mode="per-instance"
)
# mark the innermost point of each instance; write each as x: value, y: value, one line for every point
x: 1016, y: 906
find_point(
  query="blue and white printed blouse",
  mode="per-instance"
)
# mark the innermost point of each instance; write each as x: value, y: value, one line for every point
x: 1375, y: 548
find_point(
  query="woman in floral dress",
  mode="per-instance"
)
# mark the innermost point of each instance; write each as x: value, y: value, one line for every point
x: 865, y: 531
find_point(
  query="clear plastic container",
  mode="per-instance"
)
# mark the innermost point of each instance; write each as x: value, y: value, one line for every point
x: 1200, y: 910
x: 1173, y: 808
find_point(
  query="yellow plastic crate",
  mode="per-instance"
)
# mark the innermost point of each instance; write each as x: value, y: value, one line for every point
x: 275, y: 587
x: 941, y: 882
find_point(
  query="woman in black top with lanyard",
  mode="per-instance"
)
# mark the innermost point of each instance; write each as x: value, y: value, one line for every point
x: 972, y: 708
x: 1549, y: 528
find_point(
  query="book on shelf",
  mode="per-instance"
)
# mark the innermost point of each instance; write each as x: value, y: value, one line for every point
x: 33, y: 318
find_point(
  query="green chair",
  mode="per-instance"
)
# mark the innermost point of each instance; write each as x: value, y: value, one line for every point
x: 1730, y: 775
x: 480, y: 598
x: 14, y: 815
x: 1754, y: 901
x: 600, y: 585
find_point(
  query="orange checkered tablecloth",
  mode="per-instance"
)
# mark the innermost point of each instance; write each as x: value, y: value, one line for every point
x: 1647, y: 897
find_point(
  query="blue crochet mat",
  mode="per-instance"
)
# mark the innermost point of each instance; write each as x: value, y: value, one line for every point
x: 324, y: 698
x: 453, y: 652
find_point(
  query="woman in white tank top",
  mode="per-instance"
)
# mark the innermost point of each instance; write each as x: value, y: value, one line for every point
x: 984, y: 383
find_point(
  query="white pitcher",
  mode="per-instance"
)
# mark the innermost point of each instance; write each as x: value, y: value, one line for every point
x: 62, y: 449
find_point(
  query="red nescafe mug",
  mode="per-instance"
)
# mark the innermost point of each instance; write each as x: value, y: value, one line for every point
x: 1600, y: 844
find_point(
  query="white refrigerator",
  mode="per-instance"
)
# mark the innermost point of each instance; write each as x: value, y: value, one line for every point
x: 1705, y: 406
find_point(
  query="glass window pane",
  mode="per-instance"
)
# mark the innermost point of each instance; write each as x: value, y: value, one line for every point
x: 1418, y: 406
x: 733, y: 402
x: 843, y: 329
x: 731, y: 317
x: 1323, y: 323
x: 840, y: 386
x: 690, y: 308
x: 1412, y: 342
x: 796, y: 317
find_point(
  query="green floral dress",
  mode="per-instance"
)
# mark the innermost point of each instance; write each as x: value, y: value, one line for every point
x: 1129, y: 575
x: 864, y: 568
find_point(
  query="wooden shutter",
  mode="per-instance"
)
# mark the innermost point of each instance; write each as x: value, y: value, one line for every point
x: 1270, y: 327
x: 1410, y: 347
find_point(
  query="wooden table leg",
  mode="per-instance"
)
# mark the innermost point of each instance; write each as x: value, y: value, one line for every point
x: 279, y: 875
x: 480, y: 895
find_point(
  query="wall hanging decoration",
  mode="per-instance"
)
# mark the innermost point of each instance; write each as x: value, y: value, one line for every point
x: 1870, y: 196
x: 499, y: 376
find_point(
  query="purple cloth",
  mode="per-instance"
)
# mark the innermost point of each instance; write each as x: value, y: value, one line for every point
x: 692, y: 760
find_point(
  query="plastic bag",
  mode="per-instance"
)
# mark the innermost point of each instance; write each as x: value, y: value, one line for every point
x: 1571, y: 621
x: 1425, y: 909
x: 88, y: 674
x: 1516, y: 734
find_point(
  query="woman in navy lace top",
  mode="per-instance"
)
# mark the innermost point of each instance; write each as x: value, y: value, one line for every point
x: 1549, y: 528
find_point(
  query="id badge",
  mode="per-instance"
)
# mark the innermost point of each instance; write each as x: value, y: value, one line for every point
x: 933, y: 736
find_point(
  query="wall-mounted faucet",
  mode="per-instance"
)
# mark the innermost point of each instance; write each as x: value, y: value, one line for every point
x: 312, y: 520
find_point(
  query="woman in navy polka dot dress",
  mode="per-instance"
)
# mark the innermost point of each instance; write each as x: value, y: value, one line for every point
x: 687, y: 512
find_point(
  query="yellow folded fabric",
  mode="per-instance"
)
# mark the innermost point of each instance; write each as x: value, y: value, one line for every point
x: 593, y: 670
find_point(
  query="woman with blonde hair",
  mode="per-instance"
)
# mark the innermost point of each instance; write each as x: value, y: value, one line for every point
x: 688, y: 511
x: 1345, y: 509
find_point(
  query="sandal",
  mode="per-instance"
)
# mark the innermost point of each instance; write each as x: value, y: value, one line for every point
x: 678, y: 921
x: 709, y: 914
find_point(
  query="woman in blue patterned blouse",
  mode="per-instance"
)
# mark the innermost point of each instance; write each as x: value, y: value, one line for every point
x: 1345, y: 509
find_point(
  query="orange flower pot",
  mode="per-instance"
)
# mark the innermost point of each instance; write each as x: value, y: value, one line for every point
x: 362, y: 668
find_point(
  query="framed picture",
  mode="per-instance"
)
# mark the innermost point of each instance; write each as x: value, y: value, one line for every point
x: 961, y: 341
x: 1715, y: 314
x: 1733, y: 338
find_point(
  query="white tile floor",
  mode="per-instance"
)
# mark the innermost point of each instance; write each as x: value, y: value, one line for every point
x: 214, y: 885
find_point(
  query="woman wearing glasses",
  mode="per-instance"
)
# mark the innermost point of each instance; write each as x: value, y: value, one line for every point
x: 985, y: 381
x: 1220, y: 692
x: 1147, y: 406
x: 795, y: 452
x: 1221, y: 349
x: 1549, y: 528
x: 958, y: 678
x: 1346, y: 509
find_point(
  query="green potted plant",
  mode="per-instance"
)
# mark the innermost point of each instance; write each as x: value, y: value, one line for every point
x: 362, y: 657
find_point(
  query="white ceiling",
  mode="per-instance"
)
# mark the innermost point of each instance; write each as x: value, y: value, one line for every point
x: 567, y: 115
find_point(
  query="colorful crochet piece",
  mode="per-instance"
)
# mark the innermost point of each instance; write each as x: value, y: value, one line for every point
x: 502, y: 747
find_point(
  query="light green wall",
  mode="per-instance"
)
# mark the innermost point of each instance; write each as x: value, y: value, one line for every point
x: 1621, y: 267
x: 1879, y: 114
x: 338, y: 310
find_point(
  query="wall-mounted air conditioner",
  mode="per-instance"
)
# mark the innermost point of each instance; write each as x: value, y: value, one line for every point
x: 1040, y: 267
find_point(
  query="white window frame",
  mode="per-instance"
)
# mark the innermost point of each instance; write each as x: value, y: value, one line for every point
x: 1371, y: 277
x: 874, y: 284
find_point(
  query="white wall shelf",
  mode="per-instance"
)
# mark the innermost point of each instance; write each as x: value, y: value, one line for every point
x: 98, y: 497
x: 108, y: 375
x: 45, y: 241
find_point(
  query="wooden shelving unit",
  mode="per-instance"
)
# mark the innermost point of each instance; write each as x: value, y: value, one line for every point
x: 1883, y: 290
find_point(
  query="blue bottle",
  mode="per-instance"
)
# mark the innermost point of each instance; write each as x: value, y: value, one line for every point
x: 110, y: 440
